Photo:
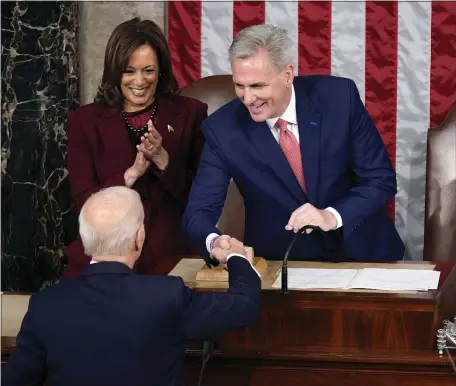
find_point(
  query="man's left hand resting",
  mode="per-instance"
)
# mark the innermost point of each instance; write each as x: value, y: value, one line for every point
x: 307, y: 214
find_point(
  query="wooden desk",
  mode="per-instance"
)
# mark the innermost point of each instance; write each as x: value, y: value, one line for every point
x: 325, y: 338
x: 316, y: 338
x: 13, y: 308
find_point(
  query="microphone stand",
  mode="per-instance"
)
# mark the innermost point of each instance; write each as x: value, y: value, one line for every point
x: 208, y: 349
x: 326, y: 247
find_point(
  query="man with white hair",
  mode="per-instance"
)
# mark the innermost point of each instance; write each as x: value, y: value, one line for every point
x: 110, y: 326
x: 303, y: 151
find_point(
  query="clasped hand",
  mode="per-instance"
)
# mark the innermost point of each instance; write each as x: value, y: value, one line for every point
x: 224, y: 246
x: 151, y: 147
x: 150, y: 150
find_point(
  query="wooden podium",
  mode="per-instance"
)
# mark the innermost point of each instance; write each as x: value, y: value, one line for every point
x: 326, y: 338
x: 315, y: 338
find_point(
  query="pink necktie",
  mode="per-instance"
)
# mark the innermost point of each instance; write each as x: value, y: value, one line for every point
x: 292, y: 151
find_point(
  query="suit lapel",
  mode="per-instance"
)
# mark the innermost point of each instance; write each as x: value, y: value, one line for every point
x: 309, y: 124
x: 262, y: 139
x: 114, y: 135
x: 169, y: 124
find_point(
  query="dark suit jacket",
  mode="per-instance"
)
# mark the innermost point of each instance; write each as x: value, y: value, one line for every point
x: 99, y: 153
x: 110, y: 326
x: 346, y: 166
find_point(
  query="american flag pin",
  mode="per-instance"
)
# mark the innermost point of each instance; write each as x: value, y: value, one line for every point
x: 170, y: 128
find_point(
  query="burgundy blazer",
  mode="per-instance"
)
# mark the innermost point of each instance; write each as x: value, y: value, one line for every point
x: 99, y: 153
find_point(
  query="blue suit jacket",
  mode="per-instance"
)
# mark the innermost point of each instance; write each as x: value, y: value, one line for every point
x: 113, y: 327
x: 346, y: 166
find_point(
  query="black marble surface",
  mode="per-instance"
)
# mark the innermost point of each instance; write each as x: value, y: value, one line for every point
x: 39, y: 86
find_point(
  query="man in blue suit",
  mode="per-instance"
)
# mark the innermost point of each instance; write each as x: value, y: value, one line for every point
x: 110, y: 326
x: 302, y: 151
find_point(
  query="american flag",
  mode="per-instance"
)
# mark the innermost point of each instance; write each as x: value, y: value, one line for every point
x: 402, y: 56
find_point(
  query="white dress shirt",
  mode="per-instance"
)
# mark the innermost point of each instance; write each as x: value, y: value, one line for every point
x: 291, y: 117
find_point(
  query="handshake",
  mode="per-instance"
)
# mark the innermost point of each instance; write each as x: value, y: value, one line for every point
x: 223, y: 246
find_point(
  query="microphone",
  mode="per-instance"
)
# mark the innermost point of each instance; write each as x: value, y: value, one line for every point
x: 208, y: 349
x: 327, y: 247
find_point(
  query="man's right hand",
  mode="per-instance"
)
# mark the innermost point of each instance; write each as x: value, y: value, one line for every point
x: 222, y: 241
x: 225, y: 247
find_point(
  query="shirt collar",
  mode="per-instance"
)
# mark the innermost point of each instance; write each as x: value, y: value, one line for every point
x: 290, y: 113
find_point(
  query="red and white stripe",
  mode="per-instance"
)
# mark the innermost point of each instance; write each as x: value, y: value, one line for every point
x: 402, y: 56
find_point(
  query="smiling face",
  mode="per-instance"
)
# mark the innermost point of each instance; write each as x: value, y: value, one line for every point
x: 140, y: 78
x: 265, y: 92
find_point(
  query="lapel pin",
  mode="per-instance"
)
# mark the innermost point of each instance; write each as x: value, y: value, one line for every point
x: 170, y: 128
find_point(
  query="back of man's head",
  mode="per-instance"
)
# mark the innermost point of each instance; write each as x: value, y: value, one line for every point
x: 111, y: 223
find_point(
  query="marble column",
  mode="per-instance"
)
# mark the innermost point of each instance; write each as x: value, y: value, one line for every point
x: 39, y: 86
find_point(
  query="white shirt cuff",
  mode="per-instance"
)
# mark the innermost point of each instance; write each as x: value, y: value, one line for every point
x: 337, y: 215
x: 209, y: 239
x: 235, y: 254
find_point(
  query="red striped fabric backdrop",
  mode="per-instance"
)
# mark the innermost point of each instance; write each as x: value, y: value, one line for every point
x: 402, y: 56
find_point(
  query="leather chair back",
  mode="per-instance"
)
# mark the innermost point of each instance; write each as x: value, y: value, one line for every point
x: 440, y: 203
x: 216, y: 91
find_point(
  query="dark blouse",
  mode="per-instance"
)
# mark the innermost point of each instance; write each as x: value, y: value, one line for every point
x: 138, y: 119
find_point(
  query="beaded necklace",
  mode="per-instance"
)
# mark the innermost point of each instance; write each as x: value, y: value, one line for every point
x: 143, y: 128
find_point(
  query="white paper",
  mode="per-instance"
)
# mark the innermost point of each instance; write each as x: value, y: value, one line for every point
x: 396, y: 279
x: 367, y: 278
x: 313, y: 278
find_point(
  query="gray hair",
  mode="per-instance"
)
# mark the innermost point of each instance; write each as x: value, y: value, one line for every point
x: 116, y: 239
x: 270, y: 37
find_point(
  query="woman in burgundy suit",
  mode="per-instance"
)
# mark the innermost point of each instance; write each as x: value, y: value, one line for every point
x: 138, y: 133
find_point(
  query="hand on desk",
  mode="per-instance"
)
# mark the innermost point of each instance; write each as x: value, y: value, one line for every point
x: 309, y: 215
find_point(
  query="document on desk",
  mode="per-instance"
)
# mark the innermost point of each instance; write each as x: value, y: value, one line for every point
x: 314, y: 278
x: 396, y: 279
x: 366, y: 278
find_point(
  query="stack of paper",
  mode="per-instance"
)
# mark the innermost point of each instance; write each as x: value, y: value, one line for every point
x: 396, y: 279
x: 367, y: 278
x: 309, y: 278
